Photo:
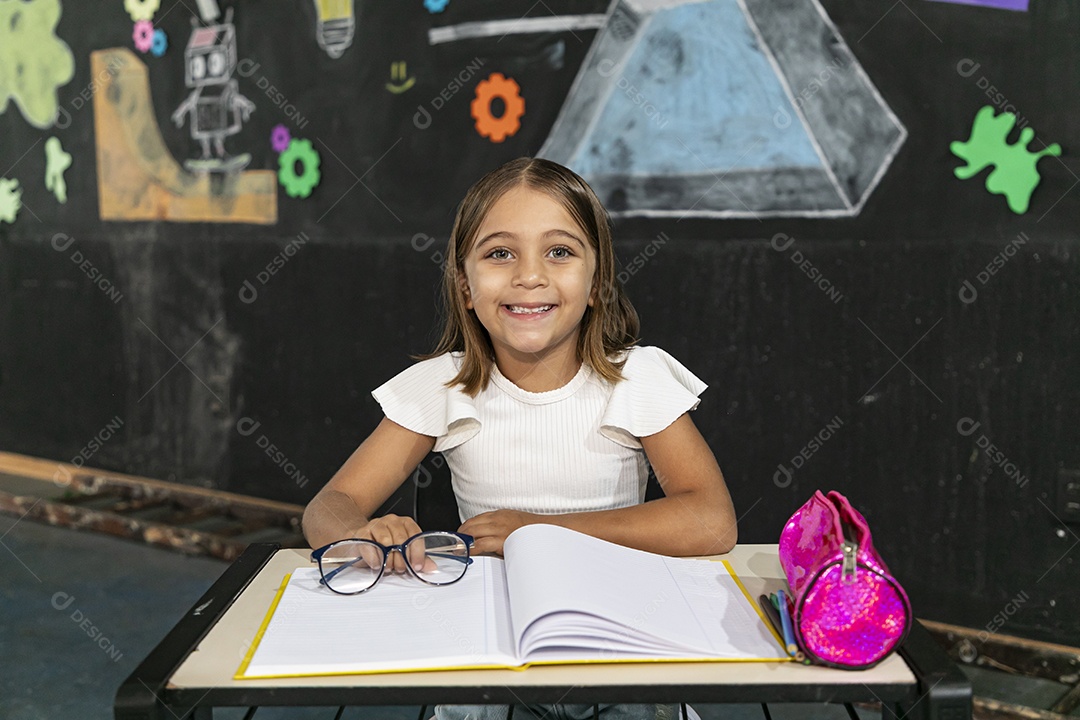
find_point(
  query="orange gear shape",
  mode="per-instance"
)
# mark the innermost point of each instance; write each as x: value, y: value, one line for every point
x: 489, y: 126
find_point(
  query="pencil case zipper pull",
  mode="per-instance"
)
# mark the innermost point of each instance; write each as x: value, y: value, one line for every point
x: 848, y: 574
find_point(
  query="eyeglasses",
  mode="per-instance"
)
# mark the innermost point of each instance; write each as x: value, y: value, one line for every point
x: 350, y: 567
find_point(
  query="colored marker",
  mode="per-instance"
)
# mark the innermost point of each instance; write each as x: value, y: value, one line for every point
x: 785, y: 621
x: 772, y: 613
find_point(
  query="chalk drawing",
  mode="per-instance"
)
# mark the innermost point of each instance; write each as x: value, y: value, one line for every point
x: 138, y: 178
x: 514, y: 26
x: 56, y: 162
x: 724, y: 108
x: 34, y: 62
x: 335, y: 26
x: 10, y: 200
x: 216, y: 108
x: 142, y: 10
x: 1018, y: 5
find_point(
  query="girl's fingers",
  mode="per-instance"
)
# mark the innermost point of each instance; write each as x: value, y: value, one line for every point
x: 392, y: 530
x: 402, y: 530
x: 371, y: 556
x: 488, y: 546
x: 418, y: 558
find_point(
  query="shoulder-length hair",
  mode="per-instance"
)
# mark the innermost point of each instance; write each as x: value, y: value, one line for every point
x: 608, y: 327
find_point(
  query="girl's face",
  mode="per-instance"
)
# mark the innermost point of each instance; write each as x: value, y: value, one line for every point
x: 529, y: 277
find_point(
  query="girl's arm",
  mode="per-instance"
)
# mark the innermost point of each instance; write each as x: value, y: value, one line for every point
x: 343, y: 508
x: 695, y: 517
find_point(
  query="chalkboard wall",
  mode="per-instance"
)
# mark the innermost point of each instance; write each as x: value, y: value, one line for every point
x: 914, y: 355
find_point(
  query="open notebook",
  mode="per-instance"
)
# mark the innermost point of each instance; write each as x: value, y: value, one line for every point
x: 558, y: 597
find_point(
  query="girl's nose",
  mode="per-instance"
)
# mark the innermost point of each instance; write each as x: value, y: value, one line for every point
x: 530, y: 272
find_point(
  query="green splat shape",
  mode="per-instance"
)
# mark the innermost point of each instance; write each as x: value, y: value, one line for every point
x: 9, y: 200
x: 1015, y: 175
x: 34, y: 62
x: 56, y: 162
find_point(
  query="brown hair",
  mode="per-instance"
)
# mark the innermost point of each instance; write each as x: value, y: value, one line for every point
x: 609, y: 325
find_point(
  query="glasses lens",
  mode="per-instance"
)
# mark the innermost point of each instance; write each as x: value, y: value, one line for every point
x: 445, y: 557
x: 351, y: 567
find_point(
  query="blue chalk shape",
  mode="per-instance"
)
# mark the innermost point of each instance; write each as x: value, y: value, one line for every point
x: 724, y: 108
x: 682, y: 101
x: 160, y: 43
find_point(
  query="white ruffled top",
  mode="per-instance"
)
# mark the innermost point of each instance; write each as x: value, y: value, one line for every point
x: 572, y: 449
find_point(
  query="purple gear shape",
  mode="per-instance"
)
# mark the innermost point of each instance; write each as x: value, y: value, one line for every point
x: 160, y: 43
x: 143, y: 35
x: 279, y: 138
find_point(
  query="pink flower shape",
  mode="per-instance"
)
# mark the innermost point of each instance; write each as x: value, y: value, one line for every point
x: 143, y: 35
x: 279, y: 138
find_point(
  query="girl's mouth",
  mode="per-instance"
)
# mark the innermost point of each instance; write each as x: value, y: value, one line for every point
x: 528, y: 309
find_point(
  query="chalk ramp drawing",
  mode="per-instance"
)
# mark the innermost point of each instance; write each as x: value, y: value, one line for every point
x: 34, y: 62
x: 138, y: 178
x: 724, y: 108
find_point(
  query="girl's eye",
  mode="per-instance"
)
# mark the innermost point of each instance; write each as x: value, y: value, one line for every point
x: 561, y: 252
x: 499, y: 254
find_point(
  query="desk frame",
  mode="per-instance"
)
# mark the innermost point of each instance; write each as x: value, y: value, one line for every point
x: 941, y: 691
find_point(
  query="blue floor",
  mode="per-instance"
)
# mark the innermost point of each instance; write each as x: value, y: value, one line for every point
x: 80, y: 611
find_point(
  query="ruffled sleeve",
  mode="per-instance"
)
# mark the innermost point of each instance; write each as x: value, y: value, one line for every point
x: 656, y: 389
x: 418, y: 399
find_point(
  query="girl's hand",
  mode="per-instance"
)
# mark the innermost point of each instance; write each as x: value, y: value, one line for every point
x: 394, y: 530
x: 489, y: 530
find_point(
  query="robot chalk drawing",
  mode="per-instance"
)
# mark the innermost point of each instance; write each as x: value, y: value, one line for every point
x: 216, y: 107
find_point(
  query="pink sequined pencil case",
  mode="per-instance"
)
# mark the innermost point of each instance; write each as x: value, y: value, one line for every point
x: 849, y: 611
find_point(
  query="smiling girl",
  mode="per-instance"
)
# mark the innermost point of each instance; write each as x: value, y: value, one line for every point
x: 536, y: 395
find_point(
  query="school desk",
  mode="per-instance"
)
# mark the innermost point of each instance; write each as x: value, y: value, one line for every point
x: 190, y: 672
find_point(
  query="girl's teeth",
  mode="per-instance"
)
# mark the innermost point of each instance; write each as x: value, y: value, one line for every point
x: 529, y: 311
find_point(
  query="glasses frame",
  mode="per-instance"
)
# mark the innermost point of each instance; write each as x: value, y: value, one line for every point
x: 317, y: 556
